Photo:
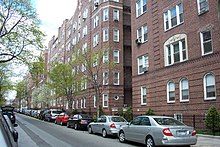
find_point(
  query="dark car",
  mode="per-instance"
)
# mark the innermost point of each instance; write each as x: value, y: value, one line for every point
x: 9, y: 111
x: 8, y: 135
x: 79, y: 121
x: 42, y: 114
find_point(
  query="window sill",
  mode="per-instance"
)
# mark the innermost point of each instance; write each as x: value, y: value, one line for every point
x: 173, y: 27
x: 210, y: 99
x: 170, y: 102
x: 143, y: 104
x: 140, y: 14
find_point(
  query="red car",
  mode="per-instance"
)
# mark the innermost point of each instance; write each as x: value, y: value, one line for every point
x: 62, y: 118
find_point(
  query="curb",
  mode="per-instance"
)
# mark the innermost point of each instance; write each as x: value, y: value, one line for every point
x: 208, y: 136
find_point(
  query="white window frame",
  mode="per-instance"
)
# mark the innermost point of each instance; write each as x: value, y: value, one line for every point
x: 116, y: 0
x: 105, y: 78
x: 202, y: 42
x: 204, y: 9
x: 77, y: 104
x: 81, y: 102
x: 142, y: 33
x: 95, y: 40
x: 105, y: 56
x: 142, y: 62
x: 105, y: 99
x: 105, y: 14
x: 116, y: 35
x: 116, y: 79
x: 142, y: 11
x: 73, y: 105
x: 116, y: 13
x: 168, y: 92
x: 184, y: 88
x: 169, y: 45
x: 94, y: 101
x: 205, y: 84
x: 143, y: 95
x: 168, y: 17
x: 105, y: 34
x: 116, y: 56
x: 84, y: 103
x: 95, y: 21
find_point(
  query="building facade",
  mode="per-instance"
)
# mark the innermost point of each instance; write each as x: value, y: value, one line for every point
x: 175, y: 56
x: 97, y: 24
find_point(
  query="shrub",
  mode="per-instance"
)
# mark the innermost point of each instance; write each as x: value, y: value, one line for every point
x: 150, y: 112
x: 212, y: 120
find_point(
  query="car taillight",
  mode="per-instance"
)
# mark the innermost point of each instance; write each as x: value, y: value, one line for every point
x: 194, y: 132
x: 112, y: 125
x: 167, y: 132
x: 50, y: 114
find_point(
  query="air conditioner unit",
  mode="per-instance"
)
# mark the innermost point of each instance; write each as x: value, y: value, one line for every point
x: 138, y: 41
x: 96, y: 4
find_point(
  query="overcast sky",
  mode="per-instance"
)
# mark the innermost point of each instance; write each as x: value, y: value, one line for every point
x: 52, y: 13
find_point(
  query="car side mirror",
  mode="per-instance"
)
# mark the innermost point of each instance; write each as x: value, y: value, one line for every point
x: 15, y: 136
x: 15, y: 125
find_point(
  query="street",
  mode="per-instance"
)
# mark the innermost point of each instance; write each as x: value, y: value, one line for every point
x: 37, y: 133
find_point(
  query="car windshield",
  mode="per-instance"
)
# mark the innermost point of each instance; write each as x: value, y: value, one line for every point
x: 56, y: 112
x: 117, y: 119
x: 168, y: 121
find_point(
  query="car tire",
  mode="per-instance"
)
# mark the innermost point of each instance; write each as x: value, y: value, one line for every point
x: 121, y: 137
x: 68, y: 125
x: 61, y: 123
x: 104, y: 133
x: 150, y: 142
x: 55, y: 122
x: 76, y: 126
x: 90, y: 130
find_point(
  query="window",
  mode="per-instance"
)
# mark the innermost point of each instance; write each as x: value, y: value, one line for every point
x: 105, y: 78
x: 145, y: 121
x: 84, y: 48
x: 105, y: 100
x: 84, y: 99
x: 116, y: 56
x: 176, y: 50
x: 143, y: 95
x: 116, y: 0
x: 116, y: 35
x: 143, y: 64
x: 94, y: 100
x: 203, y: 6
x: 206, y: 42
x: 73, y: 105
x: 105, y: 34
x: 173, y: 17
x: 105, y: 14
x: 77, y: 104
x: 141, y: 7
x: 85, y: 14
x: 136, y: 121
x: 78, y: 36
x: 115, y: 15
x: 116, y: 78
x: 179, y: 117
x: 96, y: 4
x: 184, y: 90
x: 209, y: 87
x: 105, y: 56
x: 142, y: 33
x: 95, y: 61
x: 170, y: 92
x: 84, y: 31
x: 81, y: 103
x: 95, y: 40
x: 95, y: 21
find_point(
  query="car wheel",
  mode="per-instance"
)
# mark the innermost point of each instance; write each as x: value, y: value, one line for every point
x: 104, y: 133
x: 76, y: 126
x: 90, y: 130
x: 68, y: 125
x: 121, y: 137
x: 55, y: 122
x: 61, y: 123
x: 150, y: 142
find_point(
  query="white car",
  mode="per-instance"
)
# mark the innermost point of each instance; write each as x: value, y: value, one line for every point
x: 107, y: 125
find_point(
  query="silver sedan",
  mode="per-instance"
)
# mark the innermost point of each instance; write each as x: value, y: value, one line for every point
x: 158, y: 130
x: 107, y: 125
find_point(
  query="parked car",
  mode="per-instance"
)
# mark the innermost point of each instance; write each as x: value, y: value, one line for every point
x: 107, y: 125
x: 8, y: 135
x: 9, y: 111
x: 42, y: 114
x: 62, y: 118
x: 51, y: 115
x: 158, y: 131
x: 79, y: 121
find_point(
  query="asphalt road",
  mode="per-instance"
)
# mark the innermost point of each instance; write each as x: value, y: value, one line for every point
x: 37, y: 133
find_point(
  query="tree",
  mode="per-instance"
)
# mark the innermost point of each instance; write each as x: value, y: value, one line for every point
x: 212, y: 119
x: 43, y: 97
x: 5, y: 83
x: 91, y: 65
x: 19, y: 31
x: 64, y: 82
x: 21, y: 90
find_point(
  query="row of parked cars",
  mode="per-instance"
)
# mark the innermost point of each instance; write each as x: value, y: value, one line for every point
x: 149, y: 130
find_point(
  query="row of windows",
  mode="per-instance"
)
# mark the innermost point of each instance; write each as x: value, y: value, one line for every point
x: 176, y: 50
x: 184, y: 93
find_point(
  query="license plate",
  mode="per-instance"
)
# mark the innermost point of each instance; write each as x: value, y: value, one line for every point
x: 181, y: 132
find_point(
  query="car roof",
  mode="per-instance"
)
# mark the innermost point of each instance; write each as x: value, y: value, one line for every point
x: 155, y: 116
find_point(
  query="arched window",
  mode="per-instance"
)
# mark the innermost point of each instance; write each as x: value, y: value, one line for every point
x: 170, y: 92
x: 209, y: 87
x: 184, y: 90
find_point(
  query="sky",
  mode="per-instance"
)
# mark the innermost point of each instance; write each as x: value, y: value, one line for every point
x: 52, y: 13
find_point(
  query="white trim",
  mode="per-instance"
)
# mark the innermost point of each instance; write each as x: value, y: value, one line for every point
x: 103, y: 100
x: 180, y: 88
x: 168, y: 90
x: 204, y: 86
x: 142, y: 96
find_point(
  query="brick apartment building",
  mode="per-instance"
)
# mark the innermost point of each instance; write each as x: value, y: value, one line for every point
x: 175, y: 56
x: 94, y: 25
